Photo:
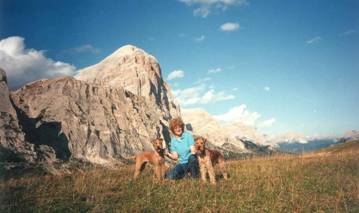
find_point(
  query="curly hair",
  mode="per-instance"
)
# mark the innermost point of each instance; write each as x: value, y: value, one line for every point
x: 176, y: 122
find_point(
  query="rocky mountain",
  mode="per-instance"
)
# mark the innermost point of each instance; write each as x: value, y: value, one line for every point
x: 110, y: 111
x: 103, y: 115
x: 83, y: 121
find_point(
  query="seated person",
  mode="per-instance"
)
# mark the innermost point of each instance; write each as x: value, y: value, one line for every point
x: 182, y: 149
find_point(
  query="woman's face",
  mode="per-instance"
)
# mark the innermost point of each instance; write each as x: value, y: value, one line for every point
x: 177, y: 130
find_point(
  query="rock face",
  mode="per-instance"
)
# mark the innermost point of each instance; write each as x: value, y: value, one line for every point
x: 13, y: 146
x: 83, y: 121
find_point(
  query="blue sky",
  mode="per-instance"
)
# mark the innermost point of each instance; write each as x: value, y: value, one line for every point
x: 278, y: 65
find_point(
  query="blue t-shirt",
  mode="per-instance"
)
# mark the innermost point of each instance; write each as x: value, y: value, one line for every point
x: 182, y: 146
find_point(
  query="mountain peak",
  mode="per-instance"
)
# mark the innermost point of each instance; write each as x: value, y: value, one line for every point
x: 134, y: 70
x: 128, y: 50
x: 121, y: 63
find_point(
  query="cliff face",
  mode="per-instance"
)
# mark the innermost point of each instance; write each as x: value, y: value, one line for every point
x: 83, y: 121
x: 13, y: 146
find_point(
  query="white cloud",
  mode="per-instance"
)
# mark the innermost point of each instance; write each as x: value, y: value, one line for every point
x: 175, y: 74
x: 25, y: 65
x: 200, y: 95
x: 239, y: 114
x: 202, y: 12
x: 86, y: 48
x: 235, y: 89
x: 215, y: 70
x: 267, y: 88
x: 200, y: 39
x: 313, y: 40
x: 211, y: 97
x: 349, y: 33
x: 188, y: 96
x: 229, y: 26
x: 204, y: 7
x: 267, y: 123
x: 202, y: 80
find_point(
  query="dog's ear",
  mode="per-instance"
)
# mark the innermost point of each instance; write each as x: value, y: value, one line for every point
x: 205, y: 140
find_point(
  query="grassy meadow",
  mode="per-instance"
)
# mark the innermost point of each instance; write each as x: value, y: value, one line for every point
x: 326, y: 181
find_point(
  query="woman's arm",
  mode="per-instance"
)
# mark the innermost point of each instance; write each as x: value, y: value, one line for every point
x: 173, y: 155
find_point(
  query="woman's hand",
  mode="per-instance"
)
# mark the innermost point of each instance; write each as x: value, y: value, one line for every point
x: 193, y: 150
x: 173, y: 155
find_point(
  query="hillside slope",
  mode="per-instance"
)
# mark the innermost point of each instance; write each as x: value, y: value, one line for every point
x: 351, y: 146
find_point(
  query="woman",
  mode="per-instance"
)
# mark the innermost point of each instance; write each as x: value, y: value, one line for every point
x: 182, y: 149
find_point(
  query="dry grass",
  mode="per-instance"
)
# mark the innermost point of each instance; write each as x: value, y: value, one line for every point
x: 310, y: 183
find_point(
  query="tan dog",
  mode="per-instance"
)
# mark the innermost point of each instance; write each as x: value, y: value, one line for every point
x: 156, y: 158
x: 207, y: 159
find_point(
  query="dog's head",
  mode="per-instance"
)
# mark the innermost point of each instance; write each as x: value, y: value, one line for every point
x: 200, y: 144
x: 157, y: 144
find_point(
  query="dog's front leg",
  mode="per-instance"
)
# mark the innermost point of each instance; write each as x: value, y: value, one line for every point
x: 138, y: 166
x: 212, y: 176
x: 202, y: 169
x: 222, y: 167
x: 158, y: 172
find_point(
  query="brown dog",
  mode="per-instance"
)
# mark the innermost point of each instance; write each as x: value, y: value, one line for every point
x: 156, y: 158
x: 207, y: 159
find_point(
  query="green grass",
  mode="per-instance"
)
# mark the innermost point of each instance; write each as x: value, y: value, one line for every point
x: 344, y: 147
x: 315, y: 182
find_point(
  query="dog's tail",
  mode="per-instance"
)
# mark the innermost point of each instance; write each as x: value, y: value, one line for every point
x: 129, y: 160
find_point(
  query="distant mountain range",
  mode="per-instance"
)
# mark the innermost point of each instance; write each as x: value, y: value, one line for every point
x: 296, y: 143
x: 311, y: 145
x: 244, y: 137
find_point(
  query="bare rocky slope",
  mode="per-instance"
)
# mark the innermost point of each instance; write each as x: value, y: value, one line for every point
x: 83, y: 121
